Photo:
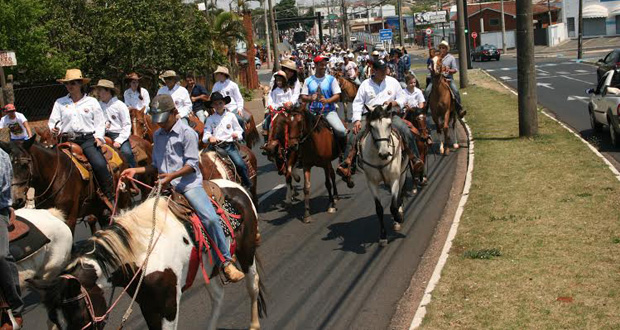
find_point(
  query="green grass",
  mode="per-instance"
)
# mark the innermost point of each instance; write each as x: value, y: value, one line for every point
x: 552, y: 208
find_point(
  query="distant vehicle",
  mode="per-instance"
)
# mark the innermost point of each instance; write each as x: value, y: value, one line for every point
x: 609, y: 62
x: 300, y: 36
x: 485, y: 52
x: 257, y: 62
x: 353, y: 39
x: 604, y: 105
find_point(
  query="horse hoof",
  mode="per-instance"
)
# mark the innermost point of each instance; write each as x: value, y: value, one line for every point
x: 414, y: 191
x: 396, y: 226
x: 424, y: 181
x: 383, y: 242
x: 308, y: 219
x: 331, y: 210
x: 456, y: 146
x: 441, y: 150
x: 447, y: 152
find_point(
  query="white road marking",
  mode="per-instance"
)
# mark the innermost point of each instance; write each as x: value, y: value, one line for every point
x: 575, y: 79
x: 270, y: 192
x: 583, y: 99
x: 545, y: 85
x: 582, y: 71
x: 505, y: 69
x: 562, y: 72
x: 506, y: 78
x: 490, y: 70
x: 542, y: 74
x: 543, y: 71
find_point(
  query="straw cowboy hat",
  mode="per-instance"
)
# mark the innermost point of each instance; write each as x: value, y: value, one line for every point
x: 289, y: 65
x: 169, y: 74
x: 73, y: 74
x: 222, y: 69
x: 133, y: 76
x: 104, y: 83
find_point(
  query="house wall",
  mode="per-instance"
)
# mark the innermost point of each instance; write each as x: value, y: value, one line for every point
x: 611, y: 24
x: 487, y: 16
x: 495, y: 38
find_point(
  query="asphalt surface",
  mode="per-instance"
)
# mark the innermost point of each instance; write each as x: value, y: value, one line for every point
x: 330, y: 274
x: 561, y: 89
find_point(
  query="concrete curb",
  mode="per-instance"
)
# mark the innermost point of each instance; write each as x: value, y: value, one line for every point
x: 611, y: 167
x: 432, y: 283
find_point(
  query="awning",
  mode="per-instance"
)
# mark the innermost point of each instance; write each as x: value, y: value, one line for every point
x: 615, y: 11
x: 595, y: 11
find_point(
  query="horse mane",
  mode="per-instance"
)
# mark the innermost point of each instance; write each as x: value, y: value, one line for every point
x: 377, y: 112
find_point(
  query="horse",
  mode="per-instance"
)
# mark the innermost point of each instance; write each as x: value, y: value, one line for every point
x: 57, y: 183
x: 142, y: 125
x: 442, y: 107
x: 312, y: 142
x: 348, y: 92
x: 423, y: 140
x: 215, y: 170
x: 114, y: 255
x: 382, y: 159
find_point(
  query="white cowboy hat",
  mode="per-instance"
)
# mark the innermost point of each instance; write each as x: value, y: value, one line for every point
x: 222, y: 69
x: 351, y: 56
x: 73, y: 74
x: 444, y: 43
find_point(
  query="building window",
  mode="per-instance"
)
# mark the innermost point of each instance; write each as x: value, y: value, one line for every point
x: 494, y: 22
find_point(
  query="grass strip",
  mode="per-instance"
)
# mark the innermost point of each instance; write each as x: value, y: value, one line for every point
x: 539, y: 241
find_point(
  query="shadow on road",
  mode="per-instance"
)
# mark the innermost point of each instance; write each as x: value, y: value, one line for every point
x: 355, y: 235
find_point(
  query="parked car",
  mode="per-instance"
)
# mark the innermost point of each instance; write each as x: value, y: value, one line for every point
x: 257, y: 62
x: 604, y: 105
x: 609, y: 62
x: 485, y: 52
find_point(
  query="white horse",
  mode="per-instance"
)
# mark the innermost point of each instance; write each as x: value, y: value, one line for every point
x: 382, y: 159
x: 113, y: 256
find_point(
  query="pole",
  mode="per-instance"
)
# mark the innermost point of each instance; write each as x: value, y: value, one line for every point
x: 401, y: 28
x: 267, y: 34
x: 274, y: 37
x: 382, y: 18
x: 580, y: 35
x: 3, y: 102
x: 319, y: 18
x: 503, y: 28
x: 526, y: 74
x: 460, y: 36
x: 345, y: 24
x: 549, y: 12
x: 368, y: 17
x: 467, y: 42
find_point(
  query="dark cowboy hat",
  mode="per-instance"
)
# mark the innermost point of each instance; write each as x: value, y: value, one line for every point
x: 161, y: 107
x: 379, y: 65
x: 217, y: 96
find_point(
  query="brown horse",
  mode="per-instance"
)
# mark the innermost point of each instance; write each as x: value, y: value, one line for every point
x: 312, y: 142
x: 349, y: 91
x: 58, y: 184
x: 423, y: 140
x: 442, y: 106
x: 142, y: 125
x: 210, y: 170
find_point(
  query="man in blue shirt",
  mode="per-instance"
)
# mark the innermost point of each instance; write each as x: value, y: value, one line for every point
x: 9, y: 278
x: 199, y: 95
x: 176, y: 159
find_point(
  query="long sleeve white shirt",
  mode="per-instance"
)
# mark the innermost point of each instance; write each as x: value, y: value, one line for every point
x: 132, y: 99
x: 117, y: 119
x: 277, y: 97
x: 230, y: 88
x: 296, y: 89
x: 372, y: 94
x: 84, y: 116
x: 181, y: 99
x: 412, y: 99
x: 222, y: 127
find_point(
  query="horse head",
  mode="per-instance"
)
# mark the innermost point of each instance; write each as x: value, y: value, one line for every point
x: 21, y: 161
x: 379, y: 125
x: 436, y: 68
x: 420, y: 124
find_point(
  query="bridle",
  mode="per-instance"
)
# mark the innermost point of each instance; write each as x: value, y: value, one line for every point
x: 376, y: 141
x: 84, y: 295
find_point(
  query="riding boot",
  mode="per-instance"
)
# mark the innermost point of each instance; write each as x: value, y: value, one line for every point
x: 344, y: 170
x: 232, y: 273
x: 266, y: 139
x: 459, y: 109
x: 416, y: 163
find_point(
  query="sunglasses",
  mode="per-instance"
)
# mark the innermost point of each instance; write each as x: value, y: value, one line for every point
x: 72, y: 83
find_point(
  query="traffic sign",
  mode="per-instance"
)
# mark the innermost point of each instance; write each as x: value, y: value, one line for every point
x: 385, y: 34
x: 429, y: 31
x: 474, y: 35
x: 7, y: 58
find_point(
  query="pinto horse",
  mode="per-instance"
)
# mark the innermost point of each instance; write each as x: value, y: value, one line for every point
x: 349, y: 91
x: 382, y: 159
x: 113, y: 256
x: 423, y: 140
x: 312, y: 142
x: 442, y: 107
x: 210, y: 170
x: 58, y: 183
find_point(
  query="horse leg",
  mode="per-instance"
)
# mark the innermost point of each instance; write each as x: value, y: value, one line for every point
x: 455, y: 141
x: 289, y: 191
x: 307, y: 218
x: 379, y: 209
x: 332, y: 176
x: 91, y: 220
x: 396, y: 205
x: 328, y: 185
x: 252, y: 285
x: 216, y: 292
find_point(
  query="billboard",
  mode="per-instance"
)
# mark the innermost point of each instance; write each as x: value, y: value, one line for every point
x: 430, y: 17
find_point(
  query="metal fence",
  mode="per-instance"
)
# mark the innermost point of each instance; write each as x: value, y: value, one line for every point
x: 36, y: 102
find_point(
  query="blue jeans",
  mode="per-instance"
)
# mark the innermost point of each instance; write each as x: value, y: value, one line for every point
x: 99, y: 164
x: 125, y: 149
x: 199, y: 200
x: 455, y: 91
x: 233, y: 152
x: 267, y: 122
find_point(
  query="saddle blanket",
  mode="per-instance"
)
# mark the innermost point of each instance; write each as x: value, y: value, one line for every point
x: 29, y: 243
x: 227, y: 169
x: 81, y: 163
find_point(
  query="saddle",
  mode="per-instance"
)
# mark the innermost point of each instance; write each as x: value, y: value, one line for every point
x: 74, y: 151
x: 25, y: 239
x: 181, y: 208
x: 220, y: 157
x: 138, y: 154
x: 17, y: 229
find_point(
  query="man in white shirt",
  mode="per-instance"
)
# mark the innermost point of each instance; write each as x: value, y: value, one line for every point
x: 228, y: 87
x: 378, y: 90
x: 222, y: 129
x: 350, y: 69
x: 179, y: 94
x: 118, y: 122
x: 16, y: 123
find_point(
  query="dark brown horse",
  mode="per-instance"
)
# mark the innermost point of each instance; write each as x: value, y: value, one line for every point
x: 312, y: 143
x: 423, y: 141
x: 277, y: 149
x: 58, y: 183
x: 349, y: 91
x: 442, y: 106
x: 119, y: 252
x: 215, y: 170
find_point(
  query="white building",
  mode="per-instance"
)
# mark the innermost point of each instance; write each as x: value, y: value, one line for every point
x: 600, y: 17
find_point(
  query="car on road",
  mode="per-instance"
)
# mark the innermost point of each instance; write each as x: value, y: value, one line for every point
x: 485, y: 52
x: 604, y: 105
x: 609, y: 62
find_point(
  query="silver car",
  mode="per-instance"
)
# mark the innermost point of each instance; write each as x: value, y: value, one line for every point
x: 604, y: 105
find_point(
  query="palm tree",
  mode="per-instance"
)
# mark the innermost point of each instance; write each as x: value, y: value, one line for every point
x: 228, y: 30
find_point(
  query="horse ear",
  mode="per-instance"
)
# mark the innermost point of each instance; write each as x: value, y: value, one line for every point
x: 367, y: 107
x: 28, y: 143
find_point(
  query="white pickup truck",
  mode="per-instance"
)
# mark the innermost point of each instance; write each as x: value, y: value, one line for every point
x: 604, y: 105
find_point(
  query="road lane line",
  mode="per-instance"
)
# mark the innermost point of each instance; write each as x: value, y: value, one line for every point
x: 582, y: 71
x: 270, y: 192
x: 575, y: 79
x: 505, y: 78
x: 562, y: 72
x: 543, y: 71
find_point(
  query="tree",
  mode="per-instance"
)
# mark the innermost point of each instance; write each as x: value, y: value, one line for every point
x: 286, y: 9
x: 228, y: 30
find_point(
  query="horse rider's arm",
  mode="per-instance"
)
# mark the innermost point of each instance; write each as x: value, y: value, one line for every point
x: 146, y: 98
x: 296, y: 92
x: 303, y: 95
x: 269, y: 100
x: 358, y: 104
x: 208, y: 132
x: 236, y: 94
x: 191, y: 156
x: 28, y: 130
x: 236, y: 128
x: 336, y: 90
x: 55, y: 116
x: 99, y: 122
x: 186, y: 107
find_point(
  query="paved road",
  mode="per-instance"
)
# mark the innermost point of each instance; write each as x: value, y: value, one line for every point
x: 561, y: 89
x: 330, y: 274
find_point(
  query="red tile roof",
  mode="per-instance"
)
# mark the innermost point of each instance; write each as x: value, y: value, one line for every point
x: 510, y: 8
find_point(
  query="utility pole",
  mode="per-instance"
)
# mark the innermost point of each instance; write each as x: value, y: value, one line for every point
x: 274, y: 37
x: 381, y: 13
x: 580, y: 35
x: 345, y: 24
x: 549, y: 12
x: 460, y: 37
x: 467, y: 39
x: 368, y: 17
x: 401, y: 28
x: 526, y: 74
x: 503, y: 29
x: 267, y: 35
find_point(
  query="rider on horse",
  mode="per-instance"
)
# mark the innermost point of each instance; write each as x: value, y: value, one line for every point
x: 322, y: 92
x: 176, y: 159
x: 179, y: 94
x: 9, y: 285
x: 78, y: 118
x: 449, y: 68
x: 380, y: 89
x: 198, y: 95
x: 118, y: 122
x: 222, y: 129
x: 136, y: 97
x: 282, y: 95
x: 350, y: 69
x: 227, y: 87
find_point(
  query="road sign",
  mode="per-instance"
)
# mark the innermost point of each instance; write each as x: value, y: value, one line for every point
x: 385, y: 34
x: 474, y: 35
x: 429, y: 31
x: 7, y: 58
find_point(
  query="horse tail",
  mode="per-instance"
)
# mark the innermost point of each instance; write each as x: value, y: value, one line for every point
x: 251, y: 133
x: 262, y: 303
